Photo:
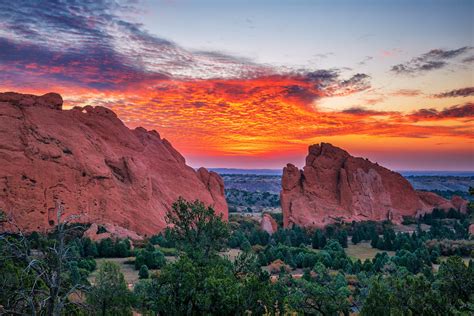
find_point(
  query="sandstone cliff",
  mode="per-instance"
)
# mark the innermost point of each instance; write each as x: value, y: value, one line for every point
x: 88, y: 159
x: 334, y: 185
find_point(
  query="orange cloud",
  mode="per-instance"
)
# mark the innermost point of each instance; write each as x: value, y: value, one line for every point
x: 263, y: 116
x: 269, y: 116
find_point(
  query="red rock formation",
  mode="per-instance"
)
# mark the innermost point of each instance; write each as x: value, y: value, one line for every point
x: 111, y: 231
x: 334, y: 185
x: 99, y: 168
x: 268, y: 224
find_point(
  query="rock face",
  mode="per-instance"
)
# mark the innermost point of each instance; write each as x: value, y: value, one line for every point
x: 268, y: 224
x: 334, y: 185
x: 96, y: 166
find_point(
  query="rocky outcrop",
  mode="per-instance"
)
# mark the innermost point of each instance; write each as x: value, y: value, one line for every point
x: 96, y: 166
x: 335, y: 186
x: 96, y: 233
x: 268, y: 224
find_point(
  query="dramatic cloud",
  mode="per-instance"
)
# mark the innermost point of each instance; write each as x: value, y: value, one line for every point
x: 259, y: 116
x: 78, y: 33
x: 432, y: 60
x: 464, y: 92
x: 90, y: 44
x: 465, y: 111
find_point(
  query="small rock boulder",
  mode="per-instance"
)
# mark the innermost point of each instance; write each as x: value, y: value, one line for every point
x: 268, y: 223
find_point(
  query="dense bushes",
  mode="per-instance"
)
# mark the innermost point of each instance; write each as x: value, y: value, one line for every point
x: 106, y: 248
x: 150, y: 257
x: 438, y: 230
x: 449, y: 292
x: 438, y: 214
x: 163, y: 239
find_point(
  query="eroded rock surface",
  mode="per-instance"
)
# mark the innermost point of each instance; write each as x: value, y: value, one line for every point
x: 334, y: 185
x: 96, y: 233
x: 99, y: 168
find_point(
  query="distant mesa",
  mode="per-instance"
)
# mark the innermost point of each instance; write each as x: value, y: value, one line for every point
x: 95, y: 165
x: 335, y: 186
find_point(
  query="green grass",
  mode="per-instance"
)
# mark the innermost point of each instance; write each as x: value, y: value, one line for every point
x: 168, y: 252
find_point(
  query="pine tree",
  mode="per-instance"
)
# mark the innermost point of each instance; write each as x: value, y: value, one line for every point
x: 143, y: 273
x: 355, y: 238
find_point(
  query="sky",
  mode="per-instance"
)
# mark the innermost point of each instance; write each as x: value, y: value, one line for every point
x: 250, y: 84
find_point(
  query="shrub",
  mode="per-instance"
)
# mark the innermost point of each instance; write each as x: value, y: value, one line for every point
x: 152, y: 258
x: 143, y: 272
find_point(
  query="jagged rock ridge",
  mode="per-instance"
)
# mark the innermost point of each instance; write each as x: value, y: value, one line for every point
x: 334, y: 185
x: 90, y: 161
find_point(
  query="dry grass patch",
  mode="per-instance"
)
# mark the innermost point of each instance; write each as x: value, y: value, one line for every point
x: 129, y: 273
x: 364, y: 251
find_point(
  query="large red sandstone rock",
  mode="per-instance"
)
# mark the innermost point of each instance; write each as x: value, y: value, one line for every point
x: 88, y: 159
x: 334, y: 185
x: 268, y: 224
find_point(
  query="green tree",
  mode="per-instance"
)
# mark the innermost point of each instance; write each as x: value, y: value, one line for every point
x: 245, y: 246
x: 151, y: 257
x: 197, y: 230
x: 106, y: 248
x: 319, y: 240
x: 143, y: 272
x: 456, y: 281
x: 110, y: 295
x: 185, y: 287
x: 407, y: 294
x: 40, y: 282
x: 89, y: 248
x: 324, y: 295
x: 379, y: 296
x: 342, y: 238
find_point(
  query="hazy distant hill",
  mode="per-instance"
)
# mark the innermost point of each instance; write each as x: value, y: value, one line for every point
x: 253, y: 182
x: 405, y: 173
x: 277, y: 172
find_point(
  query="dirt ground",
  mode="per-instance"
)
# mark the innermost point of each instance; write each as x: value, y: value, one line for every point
x: 410, y: 228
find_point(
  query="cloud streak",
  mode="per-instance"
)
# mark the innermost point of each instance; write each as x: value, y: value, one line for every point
x: 432, y: 60
x: 464, y: 111
x: 406, y: 93
x: 464, y: 92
